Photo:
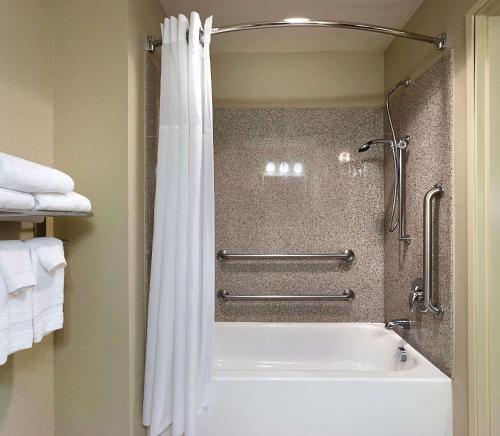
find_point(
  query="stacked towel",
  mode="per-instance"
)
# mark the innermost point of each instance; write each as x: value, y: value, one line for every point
x: 52, y: 189
x: 25, y: 176
x: 14, y: 200
x: 70, y: 201
x: 16, y: 305
x: 47, y: 258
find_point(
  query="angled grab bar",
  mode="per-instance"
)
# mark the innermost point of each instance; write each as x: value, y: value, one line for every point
x: 347, y: 294
x: 347, y: 255
x: 421, y: 296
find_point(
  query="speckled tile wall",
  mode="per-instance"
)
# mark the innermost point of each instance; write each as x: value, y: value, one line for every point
x: 334, y: 202
x: 152, y: 86
x: 424, y: 111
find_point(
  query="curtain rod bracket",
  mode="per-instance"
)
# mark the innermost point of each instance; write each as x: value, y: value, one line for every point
x: 440, y: 41
x: 150, y: 43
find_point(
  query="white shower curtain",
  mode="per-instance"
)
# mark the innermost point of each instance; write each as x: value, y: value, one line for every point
x: 181, y: 296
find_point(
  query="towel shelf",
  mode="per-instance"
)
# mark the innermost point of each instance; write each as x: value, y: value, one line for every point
x: 346, y: 295
x: 346, y: 255
x: 37, y: 216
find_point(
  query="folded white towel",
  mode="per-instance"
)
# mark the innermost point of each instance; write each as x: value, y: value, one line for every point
x: 15, y: 200
x: 69, y: 202
x: 15, y: 266
x: 47, y: 257
x: 16, y: 320
x: 26, y: 176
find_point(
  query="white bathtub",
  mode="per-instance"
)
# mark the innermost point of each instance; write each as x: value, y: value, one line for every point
x: 327, y: 379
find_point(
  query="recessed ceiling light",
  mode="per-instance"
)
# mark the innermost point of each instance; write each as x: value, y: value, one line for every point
x: 296, y: 20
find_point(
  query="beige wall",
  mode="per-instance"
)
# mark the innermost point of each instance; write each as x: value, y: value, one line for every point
x: 26, y: 123
x: 99, y: 139
x: 407, y: 58
x: 90, y: 140
x: 317, y: 79
x: 72, y: 95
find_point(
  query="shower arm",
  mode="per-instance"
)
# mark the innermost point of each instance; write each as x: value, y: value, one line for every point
x: 439, y: 41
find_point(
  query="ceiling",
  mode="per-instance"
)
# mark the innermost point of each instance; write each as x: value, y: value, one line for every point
x: 390, y: 13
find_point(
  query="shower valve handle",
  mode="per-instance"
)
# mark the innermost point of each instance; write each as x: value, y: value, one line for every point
x: 416, y: 300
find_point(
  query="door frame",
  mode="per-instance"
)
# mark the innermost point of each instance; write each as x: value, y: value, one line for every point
x: 480, y: 275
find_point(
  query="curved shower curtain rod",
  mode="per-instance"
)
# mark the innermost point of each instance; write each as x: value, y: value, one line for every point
x: 439, y: 41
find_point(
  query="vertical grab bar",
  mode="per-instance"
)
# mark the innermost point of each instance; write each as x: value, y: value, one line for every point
x: 436, y: 309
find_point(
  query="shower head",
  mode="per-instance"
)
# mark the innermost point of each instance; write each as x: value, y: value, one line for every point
x: 367, y: 145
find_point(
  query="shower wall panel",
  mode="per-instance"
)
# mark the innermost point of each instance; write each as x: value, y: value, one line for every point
x: 152, y: 107
x: 424, y: 111
x: 291, y: 181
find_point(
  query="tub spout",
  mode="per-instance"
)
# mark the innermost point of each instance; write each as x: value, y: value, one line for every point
x: 401, y: 323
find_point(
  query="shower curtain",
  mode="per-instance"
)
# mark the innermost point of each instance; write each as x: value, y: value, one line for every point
x: 181, y: 296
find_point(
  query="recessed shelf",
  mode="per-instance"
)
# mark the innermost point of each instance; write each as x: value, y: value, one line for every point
x: 37, y: 216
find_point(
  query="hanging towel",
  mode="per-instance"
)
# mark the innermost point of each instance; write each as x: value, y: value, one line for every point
x: 16, y: 320
x: 15, y: 200
x: 69, y: 202
x: 20, y: 308
x: 25, y: 176
x: 15, y: 266
x: 17, y: 281
x: 4, y: 322
x: 47, y: 257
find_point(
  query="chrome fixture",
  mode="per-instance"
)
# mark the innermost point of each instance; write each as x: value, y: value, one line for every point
x: 405, y: 324
x: 416, y: 301
x: 346, y: 295
x: 421, y: 296
x: 366, y: 146
x: 439, y: 41
x: 37, y: 216
x: 398, y: 148
x: 346, y: 255
x: 403, y: 354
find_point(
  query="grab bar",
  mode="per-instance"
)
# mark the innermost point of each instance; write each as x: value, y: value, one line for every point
x: 347, y: 255
x: 429, y: 197
x: 347, y: 294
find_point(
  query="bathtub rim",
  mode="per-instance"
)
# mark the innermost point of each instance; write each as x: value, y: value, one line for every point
x: 425, y: 370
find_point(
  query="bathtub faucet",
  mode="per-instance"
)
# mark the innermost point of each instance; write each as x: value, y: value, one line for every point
x: 402, y: 323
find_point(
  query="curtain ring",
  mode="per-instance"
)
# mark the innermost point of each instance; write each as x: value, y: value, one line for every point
x: 201, y: 37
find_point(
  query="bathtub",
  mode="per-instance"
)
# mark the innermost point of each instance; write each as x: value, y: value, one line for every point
x: 325, y: 379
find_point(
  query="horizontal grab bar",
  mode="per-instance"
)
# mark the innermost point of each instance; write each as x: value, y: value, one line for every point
x: 347, y: 255
x: 347, y: 294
